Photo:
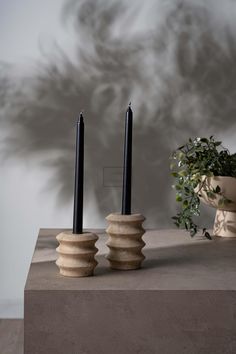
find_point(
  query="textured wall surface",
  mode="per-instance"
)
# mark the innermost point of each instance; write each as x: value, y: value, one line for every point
x: 175, y: 60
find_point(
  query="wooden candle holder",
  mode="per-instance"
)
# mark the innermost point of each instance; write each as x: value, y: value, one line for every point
x: 76, y: 254
x: 125, y: 241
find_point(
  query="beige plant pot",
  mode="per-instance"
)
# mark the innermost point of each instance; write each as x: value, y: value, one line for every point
x: 225, y: 219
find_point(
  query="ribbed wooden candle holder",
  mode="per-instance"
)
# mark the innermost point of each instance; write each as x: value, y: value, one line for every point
x: 76, y: 254
x: 125, y: 241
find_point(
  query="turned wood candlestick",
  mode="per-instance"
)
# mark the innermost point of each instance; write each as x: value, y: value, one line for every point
x: 76, y: 254
x: 125, y: 241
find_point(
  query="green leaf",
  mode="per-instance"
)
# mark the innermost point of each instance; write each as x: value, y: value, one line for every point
x: 174, y: 217
x: 221, y: 202
x: 204, y: 140
x: 178, y: 198
x: 186, y: 224
x: 183, y: 173
x: 178, y: 187
x: 210, y: 195
x: 193, y: 232
x: 217, y: 189
x: 181, y: 181
x: 207, y: 235
x: 174, y: 174
x: 227, y: 201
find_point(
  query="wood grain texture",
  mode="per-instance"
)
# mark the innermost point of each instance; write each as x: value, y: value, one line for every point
x: 125, y: 241
x: 76, y: 254
x: 11, y: 336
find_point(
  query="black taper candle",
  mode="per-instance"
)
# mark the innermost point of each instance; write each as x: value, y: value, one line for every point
x: 79, y: 177
x: 127, y: 169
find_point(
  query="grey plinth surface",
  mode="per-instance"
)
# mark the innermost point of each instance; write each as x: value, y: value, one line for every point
x: 183, y: 300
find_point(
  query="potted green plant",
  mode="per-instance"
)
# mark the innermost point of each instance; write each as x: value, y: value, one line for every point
x: 205, y: 171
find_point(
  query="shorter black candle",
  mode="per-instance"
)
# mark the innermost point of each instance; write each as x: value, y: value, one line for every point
x: 79, y: 177
x: 127, y: 171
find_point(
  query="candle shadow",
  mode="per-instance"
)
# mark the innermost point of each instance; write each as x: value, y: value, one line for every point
x: 202, y: 256
x: 181, y: 80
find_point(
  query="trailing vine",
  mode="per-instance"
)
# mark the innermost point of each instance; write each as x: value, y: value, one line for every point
x: 191, y: 164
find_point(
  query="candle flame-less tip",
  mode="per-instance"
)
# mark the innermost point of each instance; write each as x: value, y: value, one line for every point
x: 81, y: 117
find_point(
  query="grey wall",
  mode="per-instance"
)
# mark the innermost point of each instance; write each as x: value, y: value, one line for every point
x: 175, y: 60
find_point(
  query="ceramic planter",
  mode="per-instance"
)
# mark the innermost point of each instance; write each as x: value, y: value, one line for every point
x: 225, y: 219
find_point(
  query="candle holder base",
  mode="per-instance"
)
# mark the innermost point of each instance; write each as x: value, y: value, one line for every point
x: 76, y: 254
x: 125, y: 241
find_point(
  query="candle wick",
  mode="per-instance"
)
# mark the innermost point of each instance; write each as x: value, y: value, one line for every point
x: 130, y: 104
x: 81, y: 117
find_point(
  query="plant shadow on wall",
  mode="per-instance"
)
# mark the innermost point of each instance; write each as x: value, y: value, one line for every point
x: 179, y: 77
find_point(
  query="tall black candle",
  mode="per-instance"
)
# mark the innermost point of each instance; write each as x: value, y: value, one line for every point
x: 127, y: 169
x: 79, y: 177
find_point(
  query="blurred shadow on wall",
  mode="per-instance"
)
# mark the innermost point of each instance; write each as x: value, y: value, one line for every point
x: 179, y: 77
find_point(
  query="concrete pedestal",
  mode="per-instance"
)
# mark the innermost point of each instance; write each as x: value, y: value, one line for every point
x: 183, y: 300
